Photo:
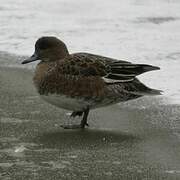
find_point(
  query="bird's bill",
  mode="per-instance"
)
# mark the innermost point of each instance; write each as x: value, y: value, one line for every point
x: 34, y: 57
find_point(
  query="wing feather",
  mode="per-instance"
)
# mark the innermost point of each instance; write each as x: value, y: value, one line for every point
x: 111, y: 70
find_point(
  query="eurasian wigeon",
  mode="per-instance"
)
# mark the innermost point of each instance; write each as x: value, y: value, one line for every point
x: 81, y: 81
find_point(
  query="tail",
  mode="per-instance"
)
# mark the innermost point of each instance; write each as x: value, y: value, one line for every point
x: 147, y: 92
x: 150, y: 92
x: 138, y: 88
x: 155, y: 92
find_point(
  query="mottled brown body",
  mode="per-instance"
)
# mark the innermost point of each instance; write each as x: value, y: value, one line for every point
x: 49, y: 79
x: 54, y: 78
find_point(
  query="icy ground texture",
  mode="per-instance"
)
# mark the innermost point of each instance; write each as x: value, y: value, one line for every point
x: 142, y: 31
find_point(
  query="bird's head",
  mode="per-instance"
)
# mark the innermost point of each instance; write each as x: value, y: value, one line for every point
x: 48, y: 49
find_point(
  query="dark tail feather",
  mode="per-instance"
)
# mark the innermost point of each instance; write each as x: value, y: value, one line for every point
x: 155, y: 92
x: 148, y: 92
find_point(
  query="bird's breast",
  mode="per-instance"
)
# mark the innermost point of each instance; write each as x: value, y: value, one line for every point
x: 49, y: 80
x: 40, y: 74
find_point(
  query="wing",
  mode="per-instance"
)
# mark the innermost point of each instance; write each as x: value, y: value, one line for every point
x: 111, y: 70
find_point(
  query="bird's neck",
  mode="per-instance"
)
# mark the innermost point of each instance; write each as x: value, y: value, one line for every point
x: 40, y: 73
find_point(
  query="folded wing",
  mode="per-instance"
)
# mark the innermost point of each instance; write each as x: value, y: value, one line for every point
x: 127, y: 72
x: 111, y: 70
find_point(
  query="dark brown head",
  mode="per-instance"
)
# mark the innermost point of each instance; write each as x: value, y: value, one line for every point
x: 48, y: 49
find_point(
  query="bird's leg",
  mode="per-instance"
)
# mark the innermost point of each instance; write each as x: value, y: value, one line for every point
x: 83, y: 121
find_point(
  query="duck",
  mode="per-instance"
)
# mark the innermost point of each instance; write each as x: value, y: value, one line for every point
x: 82, y: 81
